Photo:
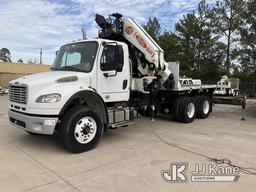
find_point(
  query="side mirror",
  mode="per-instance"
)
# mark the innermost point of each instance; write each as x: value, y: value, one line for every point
x: 120, y: 58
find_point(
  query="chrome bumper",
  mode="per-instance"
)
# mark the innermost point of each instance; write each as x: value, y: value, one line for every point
x: 33, y: 124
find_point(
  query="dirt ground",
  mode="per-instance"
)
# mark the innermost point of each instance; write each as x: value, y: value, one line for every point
x: 129, y: 158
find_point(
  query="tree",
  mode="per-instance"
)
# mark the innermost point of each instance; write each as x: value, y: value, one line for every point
x: 187, y: 33
x: 153, y: 28
x: 200, y: 54
x: 5, y: 55
x: 20, y: 61
x: 226, y: 19
x: 195, y: 37
x: 248, y: 38
x: 169, y: 43
x: 205, y: 40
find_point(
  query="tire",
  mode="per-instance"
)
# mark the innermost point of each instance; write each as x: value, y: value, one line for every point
x: 203, y: 106
x: 175, y: 109
x: 186, y: 110
x: 81, y: 129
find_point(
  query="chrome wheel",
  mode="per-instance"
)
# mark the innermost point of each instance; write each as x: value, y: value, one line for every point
x: 85, y: 130
x: 191, y: 110
x: 206, y: 106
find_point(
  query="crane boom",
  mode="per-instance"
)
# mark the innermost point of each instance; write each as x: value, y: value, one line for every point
x: 149, y: 56
x: 135, y: 34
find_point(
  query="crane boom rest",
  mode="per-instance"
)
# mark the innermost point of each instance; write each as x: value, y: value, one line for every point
x: 146, y: 55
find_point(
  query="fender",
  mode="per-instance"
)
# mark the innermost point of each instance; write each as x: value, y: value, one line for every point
x: 90, y: 98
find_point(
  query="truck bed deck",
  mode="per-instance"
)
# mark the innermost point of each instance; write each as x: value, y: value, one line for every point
x: 194, y: 87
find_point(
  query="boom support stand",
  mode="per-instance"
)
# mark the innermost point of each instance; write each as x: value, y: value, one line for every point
x: 243, y: 107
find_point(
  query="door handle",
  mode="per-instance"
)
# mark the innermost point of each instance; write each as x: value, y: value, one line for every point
x: 125, y: 82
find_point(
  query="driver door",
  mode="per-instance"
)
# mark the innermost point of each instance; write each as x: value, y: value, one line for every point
x: 114, y: 73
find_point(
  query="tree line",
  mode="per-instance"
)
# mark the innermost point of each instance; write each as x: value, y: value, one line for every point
x: 5, y: 56
x: 212, y: 41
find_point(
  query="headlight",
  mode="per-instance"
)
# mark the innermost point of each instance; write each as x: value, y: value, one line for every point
x: 50, y: 98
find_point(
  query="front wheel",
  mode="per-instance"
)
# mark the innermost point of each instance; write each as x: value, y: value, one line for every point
x: 81, y: 129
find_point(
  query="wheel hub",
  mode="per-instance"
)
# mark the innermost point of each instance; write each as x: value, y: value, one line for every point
x: 206, y: 107
x: 191, y: 110
x: 85, y: 130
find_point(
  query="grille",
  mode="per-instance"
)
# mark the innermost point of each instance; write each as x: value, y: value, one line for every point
x: 18, y: 94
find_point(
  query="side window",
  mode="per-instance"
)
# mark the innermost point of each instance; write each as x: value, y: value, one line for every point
x: 109, y: 58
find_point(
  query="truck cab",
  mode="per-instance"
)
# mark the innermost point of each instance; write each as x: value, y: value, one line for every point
x: 94, y: 69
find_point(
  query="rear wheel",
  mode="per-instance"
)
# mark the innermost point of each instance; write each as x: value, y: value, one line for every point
x: 203, y: 106
x: 81, y: 129
x: 175, y: 109
x: 186, y: 110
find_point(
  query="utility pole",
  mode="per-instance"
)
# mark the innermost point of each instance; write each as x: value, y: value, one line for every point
x: 41, y: 53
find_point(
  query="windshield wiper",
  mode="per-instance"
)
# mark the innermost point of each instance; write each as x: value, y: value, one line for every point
x: 70, y: 68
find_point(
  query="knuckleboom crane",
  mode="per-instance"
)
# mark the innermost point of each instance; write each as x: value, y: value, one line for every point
x: 146, y: 55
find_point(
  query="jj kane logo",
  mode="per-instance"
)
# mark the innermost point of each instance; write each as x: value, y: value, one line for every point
x: 177, y: 173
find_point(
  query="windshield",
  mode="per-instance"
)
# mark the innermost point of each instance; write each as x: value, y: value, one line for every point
x: 76, y: 57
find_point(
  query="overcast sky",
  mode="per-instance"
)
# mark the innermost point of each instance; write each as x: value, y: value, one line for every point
x: 28, y: 25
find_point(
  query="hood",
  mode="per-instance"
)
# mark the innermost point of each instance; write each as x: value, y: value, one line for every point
x: 50, y: 77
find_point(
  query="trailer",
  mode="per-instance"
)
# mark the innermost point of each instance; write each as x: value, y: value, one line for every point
x: 227, y: 86
x: 97, y: 84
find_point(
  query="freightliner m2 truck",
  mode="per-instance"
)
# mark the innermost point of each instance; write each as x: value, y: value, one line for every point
x: 103, y: 83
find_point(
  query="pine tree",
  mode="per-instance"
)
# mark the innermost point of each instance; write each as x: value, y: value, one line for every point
x: 153, y: 28
x: 187, y: 33
x: 248, y: 38
x: 226, y: 20
x: 169, y: 43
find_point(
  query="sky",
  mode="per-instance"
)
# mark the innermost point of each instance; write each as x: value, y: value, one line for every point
x: 28, y: 25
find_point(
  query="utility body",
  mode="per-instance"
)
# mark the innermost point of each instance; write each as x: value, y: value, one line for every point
x: 103, y: 83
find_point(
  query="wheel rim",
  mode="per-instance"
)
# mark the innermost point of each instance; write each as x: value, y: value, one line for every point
x: 85, y: 130
x: 206, y: 107
x: 191, y: 110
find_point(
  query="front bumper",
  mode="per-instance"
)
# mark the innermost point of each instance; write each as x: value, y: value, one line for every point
x: 33, y: 124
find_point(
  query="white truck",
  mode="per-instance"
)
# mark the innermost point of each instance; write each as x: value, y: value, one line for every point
x: 100, y: 83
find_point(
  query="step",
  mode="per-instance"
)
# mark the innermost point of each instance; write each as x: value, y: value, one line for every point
x: 122, y: 123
